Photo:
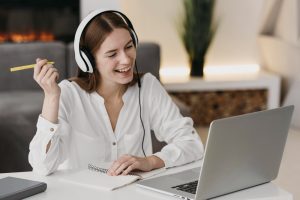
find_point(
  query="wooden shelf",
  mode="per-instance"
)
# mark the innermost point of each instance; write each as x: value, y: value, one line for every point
x: 262, y: 80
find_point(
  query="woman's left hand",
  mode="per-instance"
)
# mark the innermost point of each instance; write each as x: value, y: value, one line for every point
x: 127, y: 163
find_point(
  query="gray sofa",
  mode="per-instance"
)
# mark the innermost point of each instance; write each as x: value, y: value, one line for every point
x: 21, y: 98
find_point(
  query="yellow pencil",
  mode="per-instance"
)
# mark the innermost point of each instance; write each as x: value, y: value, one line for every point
x: 13, y: 69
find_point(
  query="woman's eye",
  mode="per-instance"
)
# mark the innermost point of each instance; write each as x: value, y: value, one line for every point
x: 129, y: 46
x: 112, y: 55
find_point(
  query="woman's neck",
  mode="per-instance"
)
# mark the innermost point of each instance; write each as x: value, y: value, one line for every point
x: 111, y: 92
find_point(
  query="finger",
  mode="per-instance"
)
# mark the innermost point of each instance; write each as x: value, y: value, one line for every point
x: 49, y: 72
x: 38, y: 67
x: 116, y: 164
x: 57, y: 76
x: 113, y: 167
x: 47, y: 78
x: 123, y: 167
x: 43, y: 72
x: 130, y: 169
x: 54, y: 77
x: 41, y: 69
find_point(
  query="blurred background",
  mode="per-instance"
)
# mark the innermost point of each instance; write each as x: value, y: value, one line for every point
x: 215, y: 58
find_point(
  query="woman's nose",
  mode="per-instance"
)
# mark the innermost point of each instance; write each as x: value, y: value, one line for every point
x: 124, y: 58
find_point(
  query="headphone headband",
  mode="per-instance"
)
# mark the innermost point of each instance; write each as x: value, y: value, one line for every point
x: 82, y: 57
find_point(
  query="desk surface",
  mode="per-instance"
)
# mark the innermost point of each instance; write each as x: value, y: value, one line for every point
x: 58, y: 189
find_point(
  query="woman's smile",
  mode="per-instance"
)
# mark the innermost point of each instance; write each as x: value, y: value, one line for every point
x: 126, y: 72
x: 122, y: 70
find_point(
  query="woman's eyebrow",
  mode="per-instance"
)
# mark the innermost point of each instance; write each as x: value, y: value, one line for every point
x: 110, y: 51
x: 128, y: 42
x: 113, y: 50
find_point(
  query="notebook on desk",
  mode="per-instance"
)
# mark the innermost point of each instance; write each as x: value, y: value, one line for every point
x: 12, y: 188
x: 95, y: 177
x: 241, y: 152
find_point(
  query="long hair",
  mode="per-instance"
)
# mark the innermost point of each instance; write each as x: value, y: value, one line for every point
x: 91, y: 39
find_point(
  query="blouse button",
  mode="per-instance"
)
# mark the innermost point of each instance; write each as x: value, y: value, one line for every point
x: 114, y: 143
x: 51, y: 129
x: 193, y: 132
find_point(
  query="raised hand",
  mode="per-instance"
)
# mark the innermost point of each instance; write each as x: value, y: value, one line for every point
x: 46, y: 75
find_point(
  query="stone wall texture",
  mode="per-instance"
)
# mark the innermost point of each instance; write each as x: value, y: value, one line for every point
x: 205, y: 107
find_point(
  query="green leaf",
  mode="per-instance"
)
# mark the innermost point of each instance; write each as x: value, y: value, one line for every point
x: 197, y: 31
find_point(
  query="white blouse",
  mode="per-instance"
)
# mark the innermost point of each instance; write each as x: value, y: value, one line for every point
x: 84, y: 133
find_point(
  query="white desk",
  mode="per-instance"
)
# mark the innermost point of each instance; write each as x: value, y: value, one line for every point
x: 57, y: 189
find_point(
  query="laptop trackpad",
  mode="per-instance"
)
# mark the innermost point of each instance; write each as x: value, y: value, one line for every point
x: 186, y: 176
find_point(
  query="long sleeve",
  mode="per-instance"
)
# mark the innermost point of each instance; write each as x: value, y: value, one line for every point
x: 183, y: 142
x: 46, y: 163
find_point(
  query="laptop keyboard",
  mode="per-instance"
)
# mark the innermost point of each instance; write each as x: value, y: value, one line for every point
x: 190, y: 187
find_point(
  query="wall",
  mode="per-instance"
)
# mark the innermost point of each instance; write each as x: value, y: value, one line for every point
x: 157, y: 21
x: 236, y: 38
x: 88, y: 5
x: 235, y: 42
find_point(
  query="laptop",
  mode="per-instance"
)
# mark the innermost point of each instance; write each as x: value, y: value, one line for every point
x: 241, y: 152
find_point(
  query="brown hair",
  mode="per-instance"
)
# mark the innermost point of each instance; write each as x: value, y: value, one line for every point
x: 91, y: 39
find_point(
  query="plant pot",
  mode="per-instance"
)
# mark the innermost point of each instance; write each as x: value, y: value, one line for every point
x: 197, y: 66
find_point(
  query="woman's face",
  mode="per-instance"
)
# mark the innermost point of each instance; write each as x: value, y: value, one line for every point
x: 115, y: 58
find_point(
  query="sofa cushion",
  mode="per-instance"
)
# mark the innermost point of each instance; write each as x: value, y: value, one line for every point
x: 19, y: 105
x: 16, y: 54
x: 148, y: 58
x: 18, y: 117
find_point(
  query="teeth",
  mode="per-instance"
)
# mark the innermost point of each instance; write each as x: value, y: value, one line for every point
x: 123, y: 69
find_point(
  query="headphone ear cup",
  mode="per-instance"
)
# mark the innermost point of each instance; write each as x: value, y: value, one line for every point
x: 88, y: 59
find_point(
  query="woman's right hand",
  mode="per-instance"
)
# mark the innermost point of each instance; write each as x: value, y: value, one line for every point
x: 46, y: 75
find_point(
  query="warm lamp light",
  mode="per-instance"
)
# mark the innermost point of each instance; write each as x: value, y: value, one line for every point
x: 182, y: 73
x: 174, y: 73
x: 231, y: 69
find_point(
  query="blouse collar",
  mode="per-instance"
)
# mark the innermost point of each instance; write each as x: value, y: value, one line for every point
x: 125, y: 96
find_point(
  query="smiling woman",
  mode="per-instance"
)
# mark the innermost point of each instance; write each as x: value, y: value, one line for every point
x: 111, y: 33
x: 115, y: 58
x: 107, y: 112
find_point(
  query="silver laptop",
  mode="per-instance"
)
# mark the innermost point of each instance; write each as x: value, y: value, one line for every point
x: 241, y: 152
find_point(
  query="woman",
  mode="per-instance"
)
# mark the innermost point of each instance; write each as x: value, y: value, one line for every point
x: 105, y: 114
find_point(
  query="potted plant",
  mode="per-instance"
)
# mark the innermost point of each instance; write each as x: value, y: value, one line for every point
x: 197, y: 32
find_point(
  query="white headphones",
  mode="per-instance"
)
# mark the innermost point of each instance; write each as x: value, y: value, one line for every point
x: 84, y: 58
